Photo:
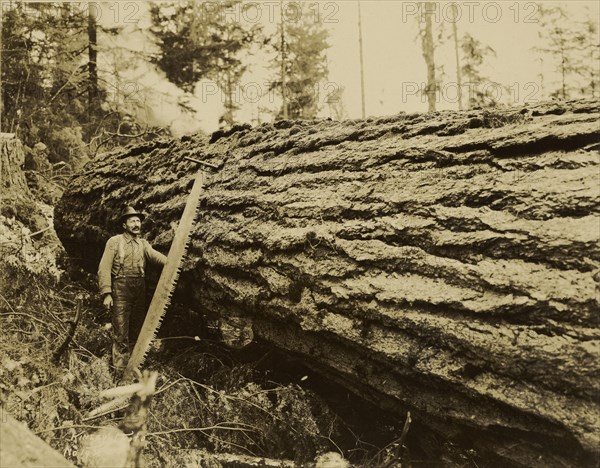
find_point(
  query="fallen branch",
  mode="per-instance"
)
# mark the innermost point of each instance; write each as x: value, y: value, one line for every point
x: 70, y: 426
x: 69, y: 335
x: 7, y: 303
x: 31, y: 317
x: 229, y: 459
x: 207, y: 428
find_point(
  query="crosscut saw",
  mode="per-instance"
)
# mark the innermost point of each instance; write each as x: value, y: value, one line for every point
x: 164, y: 289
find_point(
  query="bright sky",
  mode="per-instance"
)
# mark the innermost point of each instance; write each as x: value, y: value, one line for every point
x: 394, y: 66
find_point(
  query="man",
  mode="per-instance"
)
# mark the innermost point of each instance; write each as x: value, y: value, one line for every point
x: 122, y: 284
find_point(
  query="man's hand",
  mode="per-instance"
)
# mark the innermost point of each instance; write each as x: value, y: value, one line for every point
x: 108, y: 301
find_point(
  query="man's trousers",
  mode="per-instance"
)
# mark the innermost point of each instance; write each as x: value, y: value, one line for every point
x: 128, y: 314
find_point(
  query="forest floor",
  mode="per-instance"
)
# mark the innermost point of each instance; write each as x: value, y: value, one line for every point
x: 209, y: 400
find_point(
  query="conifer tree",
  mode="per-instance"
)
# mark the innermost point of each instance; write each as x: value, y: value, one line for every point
x: 196, y: 42
x: 301, y: 63
x: 558, y: 42
x: 427, y: 9
x: 480, y: 88
x: 588, y: 61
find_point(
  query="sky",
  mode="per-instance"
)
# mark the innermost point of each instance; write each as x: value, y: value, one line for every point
x: 393, y: 63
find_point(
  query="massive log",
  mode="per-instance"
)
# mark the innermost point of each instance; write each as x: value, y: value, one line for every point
x: 442, y: 263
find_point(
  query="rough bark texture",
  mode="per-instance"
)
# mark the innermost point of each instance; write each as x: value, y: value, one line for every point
x: 439, y: 263
x: 16, y: 200
x: 12, y: 158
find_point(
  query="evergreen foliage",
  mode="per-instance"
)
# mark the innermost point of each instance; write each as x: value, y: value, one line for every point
x: 49, y: 93
x: 196, y: 42
x: 301, y: 63
x: 474, y: 53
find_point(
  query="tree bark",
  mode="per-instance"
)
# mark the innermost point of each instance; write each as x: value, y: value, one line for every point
x: 92, y: 67
x: 16, y: 199
x: 446, y: 264
x: 12, y: 158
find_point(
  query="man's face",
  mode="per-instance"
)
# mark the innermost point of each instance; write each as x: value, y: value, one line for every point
x: 133, y: 225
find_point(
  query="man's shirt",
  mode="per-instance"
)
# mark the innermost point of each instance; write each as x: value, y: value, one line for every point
x: 125, y: 255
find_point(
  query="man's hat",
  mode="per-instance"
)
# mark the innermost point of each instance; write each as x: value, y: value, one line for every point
x: 131, y: 211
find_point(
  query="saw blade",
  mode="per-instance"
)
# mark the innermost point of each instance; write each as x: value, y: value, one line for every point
x: 168, y: 278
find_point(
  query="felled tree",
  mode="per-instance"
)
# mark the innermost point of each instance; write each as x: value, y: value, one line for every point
x: 444, y: 264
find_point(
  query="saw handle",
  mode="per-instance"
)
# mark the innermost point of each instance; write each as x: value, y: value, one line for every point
x: 203, y: 163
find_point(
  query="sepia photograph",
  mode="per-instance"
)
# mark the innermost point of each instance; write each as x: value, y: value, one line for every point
x: 300, y: 233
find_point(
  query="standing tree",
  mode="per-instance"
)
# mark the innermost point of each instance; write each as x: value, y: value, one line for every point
x: 92, y: 63
x: 283, y: 64
x: 301, y: 63
x: 427, y: 9
x: 558, y: 42
x: 480, y: 87
x: 230, y: 68
x: 335, y: 102
x: 196, y: 43
x: 45, y: 84
x: 457, y: 55
x: 362, y: 64
x: 51, y: 90
x: 1, y: 45
x: 588, y: 47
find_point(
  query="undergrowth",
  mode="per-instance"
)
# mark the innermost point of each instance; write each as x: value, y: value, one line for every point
x: 205, y: 399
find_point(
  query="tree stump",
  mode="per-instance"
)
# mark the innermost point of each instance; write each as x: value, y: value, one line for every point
x: 12, y: 159
x: 16, y: 200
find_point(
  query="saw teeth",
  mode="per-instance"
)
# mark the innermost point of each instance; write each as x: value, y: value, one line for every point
x: 159, y: 305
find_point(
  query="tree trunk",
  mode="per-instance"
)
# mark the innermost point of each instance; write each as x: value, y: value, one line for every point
x: 92, y: 67
x: 428, y: 53
x: 443, y: 265
x: 12, y: 159
x: 284, y: 103
x: 16, y: 199
x: 456, y: 55
x: 1, y: 46
x: 362, y: 63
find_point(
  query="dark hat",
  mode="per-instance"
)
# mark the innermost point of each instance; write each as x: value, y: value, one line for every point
x: 131, y: 211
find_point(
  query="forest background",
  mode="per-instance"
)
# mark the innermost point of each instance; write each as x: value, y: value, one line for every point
x: 79, y: 78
